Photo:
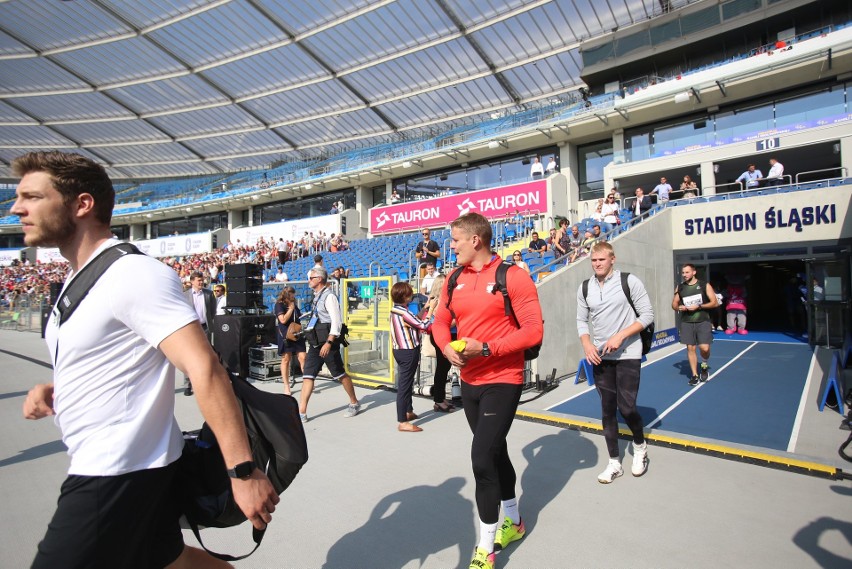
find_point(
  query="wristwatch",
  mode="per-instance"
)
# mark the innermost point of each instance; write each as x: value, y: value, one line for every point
x: 486, y: 351
x: 242, y: 470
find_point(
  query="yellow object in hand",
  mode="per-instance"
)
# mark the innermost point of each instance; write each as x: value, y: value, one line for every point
x: 458, y: 345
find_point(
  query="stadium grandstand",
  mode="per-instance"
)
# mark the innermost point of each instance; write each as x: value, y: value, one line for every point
x: 344, y: 129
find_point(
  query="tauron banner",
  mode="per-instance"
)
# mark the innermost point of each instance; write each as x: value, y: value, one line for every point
x: 526, y: 198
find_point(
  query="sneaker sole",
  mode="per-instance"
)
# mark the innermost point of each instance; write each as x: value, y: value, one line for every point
x: 610, y: 481
x: 499, y: 547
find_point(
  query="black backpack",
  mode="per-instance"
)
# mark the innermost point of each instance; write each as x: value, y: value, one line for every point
x: 275, y: 432
x: 646, y: 335
x: 499, y: 286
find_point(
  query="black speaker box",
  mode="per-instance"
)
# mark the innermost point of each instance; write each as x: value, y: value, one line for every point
x: 244, y: 299
x: 243, y: 285
x: 243, y: 270
x: 234, y: 334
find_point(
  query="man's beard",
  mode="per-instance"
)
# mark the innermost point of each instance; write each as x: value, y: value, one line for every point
x: 53, y: 232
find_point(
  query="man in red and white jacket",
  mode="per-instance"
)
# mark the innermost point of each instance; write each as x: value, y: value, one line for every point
x: 492, y: 372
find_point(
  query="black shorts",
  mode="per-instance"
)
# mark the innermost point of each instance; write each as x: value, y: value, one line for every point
x: 313, y: 363
x: 127, y: 521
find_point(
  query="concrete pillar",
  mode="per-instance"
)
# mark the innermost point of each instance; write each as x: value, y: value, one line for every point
x: 363, y: 203
x: 235, y: 218
x: 845, y: 157
x: 708, y: 179
x: 569, y: 167
x: 138, y: 231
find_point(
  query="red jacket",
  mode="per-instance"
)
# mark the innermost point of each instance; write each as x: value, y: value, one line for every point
x: 481, y: 315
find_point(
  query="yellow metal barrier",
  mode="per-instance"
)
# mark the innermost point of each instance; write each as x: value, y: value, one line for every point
x: 366, y: 310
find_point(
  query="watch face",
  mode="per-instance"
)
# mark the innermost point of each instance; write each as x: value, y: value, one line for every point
x: 243, y: 470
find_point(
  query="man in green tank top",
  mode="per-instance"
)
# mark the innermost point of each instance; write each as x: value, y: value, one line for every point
x: 693, y: 299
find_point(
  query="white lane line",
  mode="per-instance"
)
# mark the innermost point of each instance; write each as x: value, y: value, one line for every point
x: 696, y: 388
x: 592, y: 388
x: 797, y: 424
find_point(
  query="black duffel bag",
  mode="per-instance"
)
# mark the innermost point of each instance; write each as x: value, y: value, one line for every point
x: 278, y: 448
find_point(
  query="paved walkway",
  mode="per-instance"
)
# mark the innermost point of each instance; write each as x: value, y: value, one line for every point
x: 373, y: 498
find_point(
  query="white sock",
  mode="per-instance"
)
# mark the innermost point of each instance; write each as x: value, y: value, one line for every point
x: 487, y: 533
x: 510, y: 510
x: 615, y: 462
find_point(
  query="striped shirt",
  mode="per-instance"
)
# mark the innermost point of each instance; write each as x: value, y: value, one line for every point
x: 405, y: 328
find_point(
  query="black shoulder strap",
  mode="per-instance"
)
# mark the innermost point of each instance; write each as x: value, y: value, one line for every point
x: 501, y: 287
x: 451, y: 286
x: 586, y: 290
x: 83, y: 281
x: 626, y: 288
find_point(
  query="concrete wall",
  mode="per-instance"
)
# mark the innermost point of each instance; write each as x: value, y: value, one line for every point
x: 645, y: 251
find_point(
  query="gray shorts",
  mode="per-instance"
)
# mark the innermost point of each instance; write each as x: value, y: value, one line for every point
x: 696, y: 333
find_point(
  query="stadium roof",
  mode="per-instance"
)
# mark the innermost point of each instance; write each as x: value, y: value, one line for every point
x: 167, y: 88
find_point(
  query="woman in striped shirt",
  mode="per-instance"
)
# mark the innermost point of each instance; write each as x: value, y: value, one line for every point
x: 405, y: 331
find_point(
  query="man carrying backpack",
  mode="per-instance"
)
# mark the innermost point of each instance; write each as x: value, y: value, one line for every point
x: 615, y: 351
x: 693, y: 300
x: 492, y: 369
x: 113, y: 393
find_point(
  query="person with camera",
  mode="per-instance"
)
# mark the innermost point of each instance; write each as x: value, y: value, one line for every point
x: 323, y: 339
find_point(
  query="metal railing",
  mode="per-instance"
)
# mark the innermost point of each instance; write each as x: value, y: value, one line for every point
x: 844, y: 171
x: 24, y: 313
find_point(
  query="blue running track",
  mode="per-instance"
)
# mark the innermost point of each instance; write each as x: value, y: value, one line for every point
x: 752, y: 397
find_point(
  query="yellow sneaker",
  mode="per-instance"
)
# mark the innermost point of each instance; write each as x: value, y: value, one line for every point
x: 482, y: 559
x: 507, y: 533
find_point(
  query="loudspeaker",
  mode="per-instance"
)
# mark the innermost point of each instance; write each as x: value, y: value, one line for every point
x: 244, y: 299
x: 243, y: 270
x: 234, y: 334
x: 243, y: 285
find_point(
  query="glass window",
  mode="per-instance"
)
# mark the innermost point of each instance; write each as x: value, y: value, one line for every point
x: 484, y: 176
x: 677, y: 137
x: 592, y: 158
x: 734, y: 126
x: 638, y: 145
x: 516, y: 170
x: 300, y: 207
x: 379, y: 193
x: 806, y: 111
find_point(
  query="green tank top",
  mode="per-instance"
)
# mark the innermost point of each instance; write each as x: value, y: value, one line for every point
x: 690, y: 295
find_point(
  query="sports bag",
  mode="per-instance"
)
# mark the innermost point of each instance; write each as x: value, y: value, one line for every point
x: 647, y: 334
x: 278, y: 448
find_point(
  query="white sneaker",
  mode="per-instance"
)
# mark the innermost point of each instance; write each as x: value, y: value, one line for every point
x: 352, y: 410
x: 613, y: 471
x: 640, y: 459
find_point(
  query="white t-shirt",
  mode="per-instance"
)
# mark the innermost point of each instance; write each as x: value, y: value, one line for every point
x: 427, y: 283
x: 113, y: 389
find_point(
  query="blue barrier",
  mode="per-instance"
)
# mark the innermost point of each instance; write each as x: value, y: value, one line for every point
x: 834, y: 383
x: 585, y: 371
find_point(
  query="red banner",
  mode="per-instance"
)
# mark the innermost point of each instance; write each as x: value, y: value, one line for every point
x: 529, y: 197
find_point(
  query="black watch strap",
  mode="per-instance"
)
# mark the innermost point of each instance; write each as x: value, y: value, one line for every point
x: 242, y: 470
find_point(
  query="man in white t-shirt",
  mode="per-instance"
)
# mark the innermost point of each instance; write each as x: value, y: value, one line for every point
x: 428, y: 280
x: 281, y: 276
x: 537, y: 168
x: 114, y: 385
